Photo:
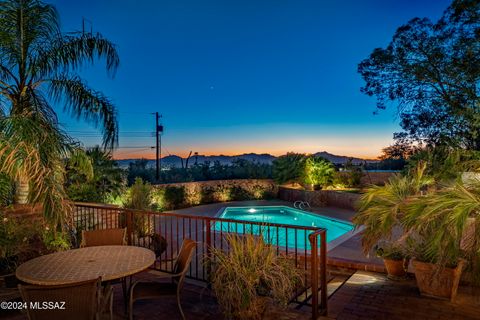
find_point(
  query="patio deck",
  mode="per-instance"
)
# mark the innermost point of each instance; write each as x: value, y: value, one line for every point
x: 369, y: 295
x: 366, y: 295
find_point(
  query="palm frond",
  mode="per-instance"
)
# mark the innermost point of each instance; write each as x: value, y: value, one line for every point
x: 34, y: 149
x: 88, y: 104
x: 70, y: 52
x: 381, y: 208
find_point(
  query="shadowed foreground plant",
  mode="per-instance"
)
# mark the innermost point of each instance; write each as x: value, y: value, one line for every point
x: 381, y: 207
x: 248, y: 272
x: 446, y: 226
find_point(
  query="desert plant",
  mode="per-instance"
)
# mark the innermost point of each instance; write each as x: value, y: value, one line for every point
x: 288, y: 168
x: 55, y: 241
x: 207, y: 194
x: 237, y: 193
x: 445, y: 225
x: 139, y: 196
x: 249, y: 271
x: 380, y: 207
x: 318, y: 172
x: 389, y: 250
x: 174, y: 196
x: 24, y: 239
x: 99, y: 181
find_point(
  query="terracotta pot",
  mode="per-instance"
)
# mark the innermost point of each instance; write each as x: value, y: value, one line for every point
x: 395, y: 268
x: 431, y: 283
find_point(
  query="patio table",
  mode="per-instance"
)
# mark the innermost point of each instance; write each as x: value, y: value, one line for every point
x: 67, y: 267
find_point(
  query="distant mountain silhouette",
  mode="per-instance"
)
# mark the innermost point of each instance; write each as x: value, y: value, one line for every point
x: 342, y: 159
x: 176, y: 161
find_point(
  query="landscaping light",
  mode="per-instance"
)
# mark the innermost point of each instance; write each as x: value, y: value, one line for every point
x: 252, y: 210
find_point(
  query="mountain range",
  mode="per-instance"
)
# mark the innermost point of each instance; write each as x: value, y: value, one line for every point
x: 176, y: 161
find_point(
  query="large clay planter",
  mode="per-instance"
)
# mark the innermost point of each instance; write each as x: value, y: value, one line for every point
x: 442, y: 284
x: 395, y: 268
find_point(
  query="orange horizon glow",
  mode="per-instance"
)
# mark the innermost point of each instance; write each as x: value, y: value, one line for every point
x: 361, y: 144
x: 119, y: 155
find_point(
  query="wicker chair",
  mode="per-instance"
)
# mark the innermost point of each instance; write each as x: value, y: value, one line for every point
x: 142, y: 290
x: 105, y: 237
x: 83, y: 300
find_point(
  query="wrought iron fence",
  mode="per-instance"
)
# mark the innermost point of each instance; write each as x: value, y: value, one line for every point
x: 306, y: 246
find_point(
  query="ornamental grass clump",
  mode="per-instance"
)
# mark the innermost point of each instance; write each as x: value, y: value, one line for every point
x: 250, y: 272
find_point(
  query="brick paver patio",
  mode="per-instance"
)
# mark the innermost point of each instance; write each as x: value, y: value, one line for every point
x: 368, y: 295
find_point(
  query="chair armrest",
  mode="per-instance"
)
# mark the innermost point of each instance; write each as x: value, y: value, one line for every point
x: 163, y: 274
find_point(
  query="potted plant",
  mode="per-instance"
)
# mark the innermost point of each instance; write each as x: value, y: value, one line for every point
x: 434, y: 278
x: 438, y: 224
x: 381, y: 208
x: 251, y: 274
x: 395, y: 259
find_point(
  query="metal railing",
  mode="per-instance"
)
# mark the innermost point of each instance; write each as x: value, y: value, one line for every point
x: 306, y: 246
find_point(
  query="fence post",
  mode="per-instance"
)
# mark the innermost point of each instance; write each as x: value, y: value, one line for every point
x: 208, y: 239
x: 312, y: 238
x: 129, y: 219
x: 323, y: 275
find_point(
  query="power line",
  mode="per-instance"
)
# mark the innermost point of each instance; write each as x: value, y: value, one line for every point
x: 127, y: 147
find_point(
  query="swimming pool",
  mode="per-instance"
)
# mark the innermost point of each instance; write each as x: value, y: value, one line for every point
x: 281, y: 236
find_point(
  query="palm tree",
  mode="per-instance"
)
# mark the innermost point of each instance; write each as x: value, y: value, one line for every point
x: 100, y: 179
x: 381, y: 208
x: 38, y: 71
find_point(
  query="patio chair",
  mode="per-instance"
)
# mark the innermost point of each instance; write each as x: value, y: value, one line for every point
x: 83, y: 300
x: 106, y: 237
x: 143, y: 290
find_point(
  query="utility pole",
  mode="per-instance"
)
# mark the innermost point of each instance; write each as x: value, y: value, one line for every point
x: 158, y: 132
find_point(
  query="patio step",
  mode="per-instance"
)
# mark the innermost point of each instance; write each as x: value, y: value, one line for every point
x: 334, y: 282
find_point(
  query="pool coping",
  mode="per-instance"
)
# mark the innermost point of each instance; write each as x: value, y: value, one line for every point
x: 330, y: 245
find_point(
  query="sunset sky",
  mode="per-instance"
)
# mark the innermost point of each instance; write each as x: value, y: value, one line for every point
x: 231, y: 77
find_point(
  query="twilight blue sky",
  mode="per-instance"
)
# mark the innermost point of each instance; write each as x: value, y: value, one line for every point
x: 242, y: 76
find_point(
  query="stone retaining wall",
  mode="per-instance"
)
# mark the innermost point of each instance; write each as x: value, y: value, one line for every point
x: 377, y: 178
x: 201, y: 192
x: 320, y: 198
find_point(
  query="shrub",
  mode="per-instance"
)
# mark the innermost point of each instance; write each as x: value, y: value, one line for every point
x: 24, y: 239
x: 139, y: 196
x: 348, y: 179
x: 318, y: 171
x: 289, y: 168
x: 207, y: 194
x: 173, y: 197
x: 238, y: 193
x: 248, y: 272
x: 55, y: 241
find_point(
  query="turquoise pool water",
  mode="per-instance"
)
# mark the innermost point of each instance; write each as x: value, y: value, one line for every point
x: 285, y: 237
